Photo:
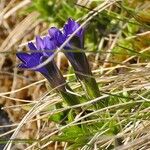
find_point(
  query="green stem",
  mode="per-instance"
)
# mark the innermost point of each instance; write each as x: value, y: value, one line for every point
x: 91, y: 87
x: 70, y: 98
x: 92, y: 90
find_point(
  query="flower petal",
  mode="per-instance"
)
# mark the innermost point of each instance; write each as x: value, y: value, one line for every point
x: 31, y: 46
x: 24, y: 57
x: 57, y: 35
x: 70, y: 27
x: 30, y: 60
x: 34, y: 60
x: 53, y: 32
x: 49, y: 43
x: 39, y: 43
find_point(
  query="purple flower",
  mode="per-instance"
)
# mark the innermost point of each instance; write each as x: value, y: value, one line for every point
x: 39, y: 52
x: 69, y: 28
x: 73, y: 49
x: 46, y: 46
x: 30, y: 61
x: 42, y: 48
x: 75, y: 54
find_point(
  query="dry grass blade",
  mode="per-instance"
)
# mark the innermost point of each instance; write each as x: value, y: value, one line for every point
x: 137, y: 143
x: 33, y: 84
x: 19, y: 31
x: 14, y: 9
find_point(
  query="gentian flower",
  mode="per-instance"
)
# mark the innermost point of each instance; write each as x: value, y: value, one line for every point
x: 39, y: 52
x: 78, y: 58
x: 75, y: 54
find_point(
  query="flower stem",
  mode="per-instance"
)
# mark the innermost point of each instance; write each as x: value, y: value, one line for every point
x: 70, y: 98
x: 92, y: 90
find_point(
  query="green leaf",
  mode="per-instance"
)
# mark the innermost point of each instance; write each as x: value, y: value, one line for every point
x: 57, y: 117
